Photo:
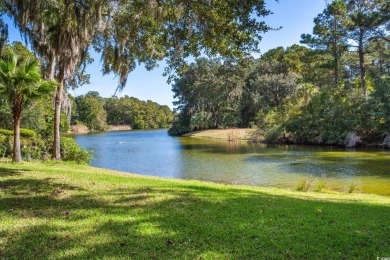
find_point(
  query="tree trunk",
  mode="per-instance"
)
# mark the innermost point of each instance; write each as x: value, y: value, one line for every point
x: 336, y: 56
x: 362, y: 65
x: 52, y: 68
x: 17, y: 114
x: 57, y: 120
x: 336, y: 70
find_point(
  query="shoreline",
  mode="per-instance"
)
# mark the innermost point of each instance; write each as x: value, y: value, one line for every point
x: 82, y: 129
x: 249, y: 135
x: 309, y: 194
x: 231, y: 134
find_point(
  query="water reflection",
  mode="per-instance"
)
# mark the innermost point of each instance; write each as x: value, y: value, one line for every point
x: 156, y: 153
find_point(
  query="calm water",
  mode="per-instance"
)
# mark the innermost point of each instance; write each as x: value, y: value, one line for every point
x: 155, y: 153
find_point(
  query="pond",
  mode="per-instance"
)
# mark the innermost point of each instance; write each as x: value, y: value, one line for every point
x: 156, y: 153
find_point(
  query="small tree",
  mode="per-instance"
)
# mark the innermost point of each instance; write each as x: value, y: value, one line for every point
x: 20, y: 83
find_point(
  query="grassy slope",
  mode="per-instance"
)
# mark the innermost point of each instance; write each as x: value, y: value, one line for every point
x: 59, y: 210
x: 224, y: 134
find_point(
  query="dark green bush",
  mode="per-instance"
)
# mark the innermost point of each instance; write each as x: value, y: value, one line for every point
x: 375, y: 113
x: 34, y: 148
x: 181, y: 125
x: 5, y: 148
x: 71, y: 151
x: 328, y: 118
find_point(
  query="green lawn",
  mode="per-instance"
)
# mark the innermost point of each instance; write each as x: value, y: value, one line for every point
x: 62, y: 210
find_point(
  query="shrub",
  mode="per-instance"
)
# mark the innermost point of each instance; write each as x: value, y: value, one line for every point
x: 5, y: 147
x: 24, y: 132
x: 6, y: 132
x: 71, y: 151
x: 181, y: 125
x: 328, y: 118
x: 34, y: 148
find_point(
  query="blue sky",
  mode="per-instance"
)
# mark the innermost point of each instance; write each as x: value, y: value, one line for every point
x: 295, y: 16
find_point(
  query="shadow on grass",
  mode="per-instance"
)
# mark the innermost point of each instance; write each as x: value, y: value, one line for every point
x: 187, y: 221
x: 4, y: 172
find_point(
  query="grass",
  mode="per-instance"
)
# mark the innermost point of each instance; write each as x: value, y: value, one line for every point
x: 235, y: 134
x: 351, y: 187
x: 68, y: 211
x: 320, y: 185
x: 303, y: 185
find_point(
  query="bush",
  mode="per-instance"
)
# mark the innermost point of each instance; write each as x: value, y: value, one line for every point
x: 181, y: 125
x: 375, y: 113
x: 34, y: 148
x: 6, y: 132
x: 5, y: 148
x: 329, y: 118
x: 24, y: 132
x: 71, y: 151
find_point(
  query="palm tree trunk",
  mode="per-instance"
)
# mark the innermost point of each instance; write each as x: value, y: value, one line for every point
x: 57, y: 121
x: 17, y: 114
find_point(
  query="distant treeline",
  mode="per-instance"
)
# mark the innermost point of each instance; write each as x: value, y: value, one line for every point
x: 97, y: 112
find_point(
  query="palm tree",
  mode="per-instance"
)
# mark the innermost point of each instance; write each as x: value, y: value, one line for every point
x: 60, y: 33
x: 20, y: 83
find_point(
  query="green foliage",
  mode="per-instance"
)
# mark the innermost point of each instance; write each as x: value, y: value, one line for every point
x: 5, y: 146
x: 33, y: 147
x: 47, y: 129
x: 96, y: 112
x: 38, y: 116
x: 24, y: 132
x: 179, y: 29
x: 6, y: 132
x: 3, y: 30
x: 20, y: 84
x: 335, y: 117
x: 180, y: 125
x: 90, y: 111
x: 330, y: 36
x: 328, y: 118
x: 209, y: 92
x: 376, y: 112
x: 70, y: 151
